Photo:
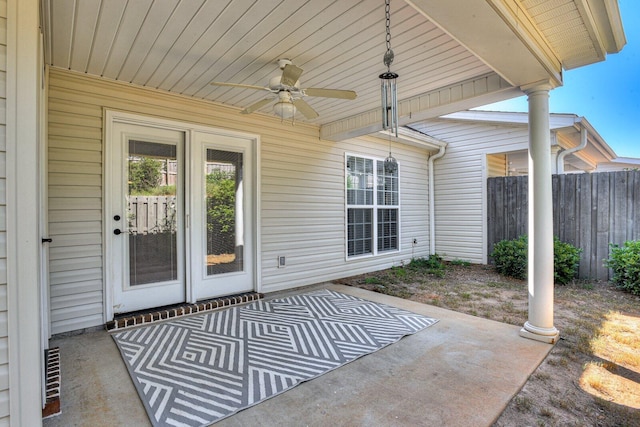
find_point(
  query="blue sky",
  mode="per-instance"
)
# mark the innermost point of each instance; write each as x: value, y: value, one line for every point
x: 606, y: 93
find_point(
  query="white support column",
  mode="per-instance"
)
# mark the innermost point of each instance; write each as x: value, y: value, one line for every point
x: 540, y: 272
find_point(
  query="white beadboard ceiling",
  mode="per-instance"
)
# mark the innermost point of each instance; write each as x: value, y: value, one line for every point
x: 181, y: 45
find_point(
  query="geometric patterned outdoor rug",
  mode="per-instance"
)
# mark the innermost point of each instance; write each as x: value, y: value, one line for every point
x: 197, y: 370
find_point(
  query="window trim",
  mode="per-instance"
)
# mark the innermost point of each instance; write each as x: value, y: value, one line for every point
x: 375, y: 207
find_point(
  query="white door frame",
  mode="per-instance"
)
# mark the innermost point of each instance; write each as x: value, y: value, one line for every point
x: 43, y: 158
x: 111, y: 116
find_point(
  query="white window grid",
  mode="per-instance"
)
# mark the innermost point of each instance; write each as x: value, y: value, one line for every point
x: 379, y: 194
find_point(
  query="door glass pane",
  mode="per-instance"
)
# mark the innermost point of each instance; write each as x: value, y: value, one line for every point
x: 152, y: 212
x: 224, y: 212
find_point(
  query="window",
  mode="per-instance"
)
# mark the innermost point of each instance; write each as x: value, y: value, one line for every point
x: 372, y: 207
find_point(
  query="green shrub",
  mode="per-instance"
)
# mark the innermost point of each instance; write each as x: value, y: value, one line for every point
x: 434, y: 262
x: 433, y: 265
x: 510, y: 257
x: 625, y: 262
x: 144, y: 175
x: 566, y: 259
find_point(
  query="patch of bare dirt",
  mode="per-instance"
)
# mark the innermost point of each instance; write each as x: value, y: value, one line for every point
x: 591, y: 376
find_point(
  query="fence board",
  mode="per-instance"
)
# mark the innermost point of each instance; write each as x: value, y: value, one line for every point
x: 603, y: 206
x: 636, y: 205
x: 523, y: 207
x: 590, y: 211
x: 583, y: 223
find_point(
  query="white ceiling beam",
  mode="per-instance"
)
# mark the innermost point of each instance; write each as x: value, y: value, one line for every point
x: 460, y: 96
x: 413, y: 138
x: 499, y: 32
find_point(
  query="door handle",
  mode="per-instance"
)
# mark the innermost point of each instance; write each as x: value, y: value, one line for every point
x: 47, y: 240
x: 117, y: 232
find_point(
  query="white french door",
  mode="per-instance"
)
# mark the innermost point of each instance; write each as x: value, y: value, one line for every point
x: 146, y: 217
x: 179, y: 215
x: 222, y: 240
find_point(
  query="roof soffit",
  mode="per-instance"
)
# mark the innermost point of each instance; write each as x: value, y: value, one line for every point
x: 452, y: 55
x: 514, y: 48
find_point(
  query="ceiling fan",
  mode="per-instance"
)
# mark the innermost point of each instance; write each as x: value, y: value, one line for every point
x: 286, y: 92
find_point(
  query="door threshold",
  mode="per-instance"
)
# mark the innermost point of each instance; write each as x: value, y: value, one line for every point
x: 137, y: 318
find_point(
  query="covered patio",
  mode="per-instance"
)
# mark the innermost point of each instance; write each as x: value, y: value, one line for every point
x: 462, y: 371
x: 94, y: 85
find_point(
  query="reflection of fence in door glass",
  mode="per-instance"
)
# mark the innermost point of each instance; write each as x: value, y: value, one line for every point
x: 152, y: 212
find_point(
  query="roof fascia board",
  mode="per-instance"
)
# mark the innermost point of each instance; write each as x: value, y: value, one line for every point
x: 514, y: 47
x: 608, y: 23
x: 629, y: 160
x: 459, y: 96
x: 556, y: 121
x: 615, y: 27
x: 413, y: 138
x: 597, y: 140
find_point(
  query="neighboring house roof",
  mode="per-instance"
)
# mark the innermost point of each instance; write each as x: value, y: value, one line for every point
x: 451, y: 55
x: 565, y: 130
x: 620, y: 163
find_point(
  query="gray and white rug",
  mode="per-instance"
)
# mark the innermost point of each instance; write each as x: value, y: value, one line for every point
x: 197, y: 370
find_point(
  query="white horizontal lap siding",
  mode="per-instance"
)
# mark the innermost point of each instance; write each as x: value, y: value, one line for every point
x: 460, y: 187
x: 4, y: 348
x: 458, y: 209
x: 75, y: 208
x: 303, y: 210
x: 302, y: 192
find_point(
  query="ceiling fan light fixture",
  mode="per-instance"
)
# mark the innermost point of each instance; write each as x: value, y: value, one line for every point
x: 284, y: 109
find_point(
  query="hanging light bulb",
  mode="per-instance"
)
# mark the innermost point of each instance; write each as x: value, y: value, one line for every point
x: 388, y: 86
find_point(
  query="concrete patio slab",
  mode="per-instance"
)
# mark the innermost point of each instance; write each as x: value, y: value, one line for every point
x: 462, y: 371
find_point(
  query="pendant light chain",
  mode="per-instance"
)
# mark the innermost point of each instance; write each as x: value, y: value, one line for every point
x: 388, y: 56
x: 387, y: 13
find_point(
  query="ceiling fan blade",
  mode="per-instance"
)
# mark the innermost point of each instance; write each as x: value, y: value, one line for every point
x: 290, y: 75
x: 239, y: 85
x: 253, y: 107
x: 330, y: 93
x: 305, y: 109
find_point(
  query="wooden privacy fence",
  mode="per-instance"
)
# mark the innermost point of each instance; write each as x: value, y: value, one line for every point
x: 151, y: 214
x: 590, y: 211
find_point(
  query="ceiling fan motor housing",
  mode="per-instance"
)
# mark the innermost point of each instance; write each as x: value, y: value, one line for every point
x: 275, y: 84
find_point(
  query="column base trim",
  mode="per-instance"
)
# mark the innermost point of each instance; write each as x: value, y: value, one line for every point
x: 546, y: 335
